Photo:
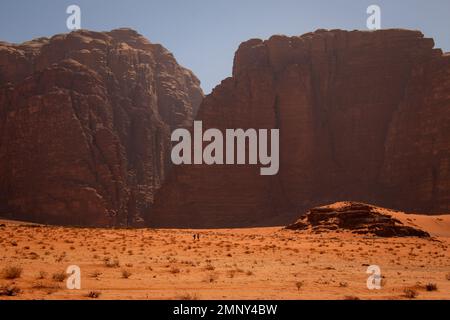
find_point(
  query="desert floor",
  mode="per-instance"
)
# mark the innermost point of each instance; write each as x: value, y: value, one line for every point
x: 261, y: 263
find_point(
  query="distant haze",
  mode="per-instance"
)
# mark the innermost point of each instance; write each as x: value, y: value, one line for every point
x: 204, y: 34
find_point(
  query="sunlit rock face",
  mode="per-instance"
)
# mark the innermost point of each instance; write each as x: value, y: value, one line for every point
x: 363, y: 116
x: 85, y: 122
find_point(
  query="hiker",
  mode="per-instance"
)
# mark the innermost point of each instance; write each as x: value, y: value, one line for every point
x: 198, y: 236
x: 195, y: 236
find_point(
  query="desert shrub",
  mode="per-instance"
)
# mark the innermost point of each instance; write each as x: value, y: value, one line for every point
x: 126, y: 274
x: 95, y: 274
x: 94, y: 294
x: 354, y: 298
x: 410, y: 293
x: 188, y: 296
x: 212, y: 277
x: 112, y: 263
x: 174, y: 270
x: 431, y: 287
x: 40, y: 285
x: 10, y: 291
x: 11, y: 272
x: 231, y: 273
x: 209, y: 267
x: 59, y: 276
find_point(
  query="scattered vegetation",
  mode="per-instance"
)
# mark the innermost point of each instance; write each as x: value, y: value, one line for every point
x: 211, y: 277
x: 111, y: 263
x: 49, y: 287
x: 59, y: 276
x: 10, y: 291
x: 431, y: 287
x: 11, y: 272
x: 410, y: 293
x: 209, y: 267
x: 126, y: 274
x: 353, y: 298
x: 94, y: 294
x: 188, y: 296
x: 174, y: 270
x: 95, y: 274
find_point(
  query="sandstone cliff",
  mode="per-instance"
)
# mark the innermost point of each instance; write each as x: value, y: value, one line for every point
x: 85, y: 121
x: 363, y: 116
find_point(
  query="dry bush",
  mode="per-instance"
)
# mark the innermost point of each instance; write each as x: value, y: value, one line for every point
x: 49, y: 287
x: 10, y: 291
x: 112, y: 263
x: 59, y: 276
x: 354, y: 298
x: 94, y: 294
x: 231, y: 273
x: 174, y: 270
x: 95, y: 274
x: 410, y: 293
x: 126, y: 274
x: 188, y: 296
x: 11, y: 272
x: 212, y: 277
x: 431, y: 287
x: 209, y: 267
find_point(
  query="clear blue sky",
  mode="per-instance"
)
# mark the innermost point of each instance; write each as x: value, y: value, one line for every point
x: 204, y: 34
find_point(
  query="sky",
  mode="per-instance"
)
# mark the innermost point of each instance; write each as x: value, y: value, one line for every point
x: 204, y: 34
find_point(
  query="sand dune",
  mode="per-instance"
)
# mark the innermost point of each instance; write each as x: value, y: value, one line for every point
x: 436, y: 226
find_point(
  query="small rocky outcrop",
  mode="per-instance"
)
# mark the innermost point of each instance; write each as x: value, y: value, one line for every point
x: 356, y: 217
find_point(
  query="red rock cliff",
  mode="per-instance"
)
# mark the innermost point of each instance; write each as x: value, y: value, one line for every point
x: 85, y: 121
x: 363, y: 116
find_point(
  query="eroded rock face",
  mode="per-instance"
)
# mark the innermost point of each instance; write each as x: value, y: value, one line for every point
x: 356, y: 217
x: 363, y: 116
x: 85, y: 122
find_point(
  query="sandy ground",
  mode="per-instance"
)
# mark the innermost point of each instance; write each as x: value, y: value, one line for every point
x: 262, y: 263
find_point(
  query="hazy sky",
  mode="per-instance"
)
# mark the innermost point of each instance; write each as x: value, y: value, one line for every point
x: 204, y: 34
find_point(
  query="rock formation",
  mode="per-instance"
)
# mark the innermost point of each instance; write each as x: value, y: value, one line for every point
x: 85, y: 121
x: 363, y: 116
x: 356, y: 217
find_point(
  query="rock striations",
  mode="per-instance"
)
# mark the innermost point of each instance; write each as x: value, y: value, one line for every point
x: 363, y: 116
x: 85, y: 121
